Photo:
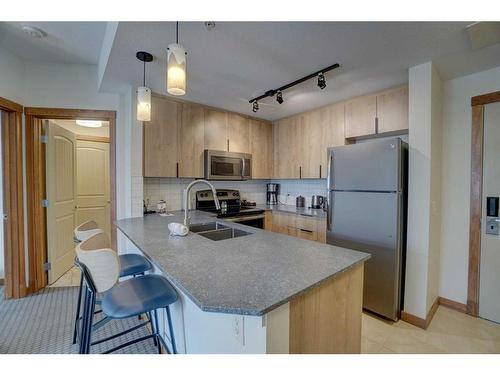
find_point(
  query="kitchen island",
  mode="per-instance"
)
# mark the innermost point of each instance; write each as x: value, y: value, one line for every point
x: 261, y: 292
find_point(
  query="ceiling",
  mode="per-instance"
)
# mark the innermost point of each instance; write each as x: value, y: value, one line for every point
x: 66, y: 42
x: 239, y: 60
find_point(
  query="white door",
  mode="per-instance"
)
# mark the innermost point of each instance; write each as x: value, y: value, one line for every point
x: 61, y: 194
x: 489, y: 277
x: 92, y: 186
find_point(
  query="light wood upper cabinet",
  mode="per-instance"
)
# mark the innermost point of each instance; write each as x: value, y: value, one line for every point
x: 311, y: 124
x: 332, y: 132
x: 360, y: 115
x: 215, y: 129
x: 161, y: 138
x: 392, y: 110
x: 287, y: 148
x: 191, y: 140
x: 238, y: 133
x: 261, y: 148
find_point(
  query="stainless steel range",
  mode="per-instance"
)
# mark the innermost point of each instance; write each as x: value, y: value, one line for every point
x: 231, y: 207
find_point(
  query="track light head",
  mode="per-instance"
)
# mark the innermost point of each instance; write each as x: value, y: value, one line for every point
x: 321, y: 81
x: 279, y: 97
x: 255, y: 106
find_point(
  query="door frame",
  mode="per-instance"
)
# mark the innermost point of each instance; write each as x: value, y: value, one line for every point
x: 476, y: 197
x: 35, y: 182
x: 13, y: 198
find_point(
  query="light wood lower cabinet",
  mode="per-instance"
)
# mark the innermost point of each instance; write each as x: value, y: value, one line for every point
x: 306, y: 227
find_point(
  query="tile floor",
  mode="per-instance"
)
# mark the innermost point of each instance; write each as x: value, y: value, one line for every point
x: 70, y: 278
x: 449, y: 332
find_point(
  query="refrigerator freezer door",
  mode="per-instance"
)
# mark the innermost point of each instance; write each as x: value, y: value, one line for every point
x: 369, y: 166
x: 370, y: 222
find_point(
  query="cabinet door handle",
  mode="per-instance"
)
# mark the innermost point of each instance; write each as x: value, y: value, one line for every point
x: 177, y: 169
x: 300, y: 172
x: 376, y: 125
x: 320, y: 171
x: 305, y: 230
x: 228, y: 144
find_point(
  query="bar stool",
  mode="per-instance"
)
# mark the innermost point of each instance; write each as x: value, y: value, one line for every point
x: 141, y: 295
x: 130, y: 264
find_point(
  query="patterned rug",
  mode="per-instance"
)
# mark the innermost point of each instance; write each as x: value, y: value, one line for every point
x: 42, y: 323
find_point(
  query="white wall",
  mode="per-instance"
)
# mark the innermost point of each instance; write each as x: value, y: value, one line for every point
x: 455, y: 191
x: 423, y: 189
x: 72, y: 86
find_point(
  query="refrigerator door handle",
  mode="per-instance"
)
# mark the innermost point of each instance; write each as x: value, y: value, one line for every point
x: 329, y: 172
x: 329, y: 211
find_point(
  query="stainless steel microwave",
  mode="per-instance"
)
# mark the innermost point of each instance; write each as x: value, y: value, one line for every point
x: 223, y: 165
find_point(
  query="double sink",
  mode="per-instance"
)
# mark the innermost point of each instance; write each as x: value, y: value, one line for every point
x: 216, y: 231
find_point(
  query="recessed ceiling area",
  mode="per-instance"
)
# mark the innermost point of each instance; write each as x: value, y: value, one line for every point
x: 64, y: 42
x: 236, y: 61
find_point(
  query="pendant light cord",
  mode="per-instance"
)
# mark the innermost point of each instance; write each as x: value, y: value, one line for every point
x: 144, y: 74
x: 177, y: 32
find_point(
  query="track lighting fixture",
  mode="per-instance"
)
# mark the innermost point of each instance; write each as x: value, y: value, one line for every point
x: 320, y: 74
x: 279, y: 97
x: 143, y: 92
x: 321, y: 81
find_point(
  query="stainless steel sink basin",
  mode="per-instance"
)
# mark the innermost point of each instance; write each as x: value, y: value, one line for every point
x: 223, y: 234
x: 204, y: 227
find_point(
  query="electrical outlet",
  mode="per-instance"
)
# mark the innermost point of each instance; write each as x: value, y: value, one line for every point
x: 238, y: 324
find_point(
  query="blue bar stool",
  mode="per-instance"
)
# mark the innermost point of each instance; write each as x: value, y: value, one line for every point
x: 130, y: 264
x: 140, y: 295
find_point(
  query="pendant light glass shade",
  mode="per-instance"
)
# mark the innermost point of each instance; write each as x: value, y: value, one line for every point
x: 176, y: 69
x: 143, y: 104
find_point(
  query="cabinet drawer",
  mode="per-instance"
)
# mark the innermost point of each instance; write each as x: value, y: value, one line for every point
x: 307, y: 234
x: 307, y: 223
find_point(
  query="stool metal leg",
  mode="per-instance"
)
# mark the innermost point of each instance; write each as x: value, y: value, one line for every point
x: 88, y: 322
x: 171, y: 330
x: 78, y: 306
x: 83, y: 321
x: 156, y: 330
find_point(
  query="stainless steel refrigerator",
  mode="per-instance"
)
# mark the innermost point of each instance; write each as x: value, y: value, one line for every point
x: 367, y: 194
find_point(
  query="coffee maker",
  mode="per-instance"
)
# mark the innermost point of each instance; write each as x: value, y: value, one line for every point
x: 272, y: 193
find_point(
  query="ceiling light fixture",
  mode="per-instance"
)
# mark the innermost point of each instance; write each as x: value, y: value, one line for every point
x: 143, y: 92
x: 34, y: 32
x: 279, y: 91
x: 89, y: 123
x: 321, y: 81
x: 279, y: 97
x: 176, y: 66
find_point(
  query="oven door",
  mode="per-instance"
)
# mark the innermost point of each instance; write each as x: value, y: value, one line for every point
x: 256, y: 221
x: 221, y: 165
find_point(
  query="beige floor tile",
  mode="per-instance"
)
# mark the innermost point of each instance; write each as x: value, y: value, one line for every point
x: 369, y: 346
x: 449, y: 332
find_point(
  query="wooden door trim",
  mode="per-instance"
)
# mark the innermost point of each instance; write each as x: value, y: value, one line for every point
x: 476, y: 197
x: 92, y: 138
x: 13, y: 197
x: 35, y: 186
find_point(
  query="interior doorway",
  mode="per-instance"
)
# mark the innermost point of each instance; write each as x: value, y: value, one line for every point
x: 483, y: 294
x: 58, y: 198
x: 77, y: 188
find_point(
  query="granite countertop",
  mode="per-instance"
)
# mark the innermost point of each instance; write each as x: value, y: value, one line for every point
x: 249, y: 275
x: 304, y: 211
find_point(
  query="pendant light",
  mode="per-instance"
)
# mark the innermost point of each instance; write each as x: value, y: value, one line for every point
x: 143, y: 92
x: 176, y: 66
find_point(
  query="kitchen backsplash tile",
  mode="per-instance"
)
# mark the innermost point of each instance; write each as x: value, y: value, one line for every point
x: 172, y: 190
